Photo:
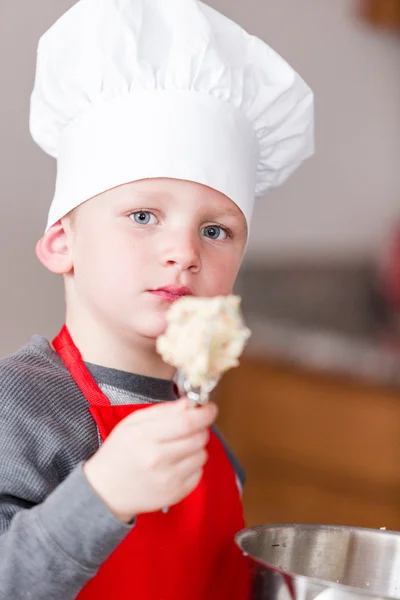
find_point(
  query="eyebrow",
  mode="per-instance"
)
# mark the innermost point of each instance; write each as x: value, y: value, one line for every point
x: 160, y: 194
x: 228, y: 212
x: 231, y: 212
x: 150, y: 195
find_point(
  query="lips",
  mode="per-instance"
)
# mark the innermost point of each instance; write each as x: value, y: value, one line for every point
x: 172, y: 292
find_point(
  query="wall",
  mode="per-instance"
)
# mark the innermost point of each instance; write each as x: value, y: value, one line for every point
x: 341, y: 203
x: 337, y: 206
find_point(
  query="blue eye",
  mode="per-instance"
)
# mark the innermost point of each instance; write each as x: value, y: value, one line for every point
x: 214, y: 232
x: 143, y: 217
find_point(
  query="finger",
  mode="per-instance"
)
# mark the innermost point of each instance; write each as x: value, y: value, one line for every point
x: 178, y: 450
x: 181, y: 426
x: 192, y: 464
x: 192, y: 482
x: 188, y: 486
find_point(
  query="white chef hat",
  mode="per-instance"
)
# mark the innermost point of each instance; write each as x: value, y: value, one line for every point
x: 135, y: 89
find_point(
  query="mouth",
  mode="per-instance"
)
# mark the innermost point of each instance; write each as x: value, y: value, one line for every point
x: 171, y: 293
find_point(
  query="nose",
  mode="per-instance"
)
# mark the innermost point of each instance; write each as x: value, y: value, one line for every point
x: 182, y: 251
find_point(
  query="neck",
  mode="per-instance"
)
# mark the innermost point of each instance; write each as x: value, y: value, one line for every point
x: 100, y: 346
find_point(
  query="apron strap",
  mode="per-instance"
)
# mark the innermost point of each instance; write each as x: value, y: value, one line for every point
x: 69, y: 353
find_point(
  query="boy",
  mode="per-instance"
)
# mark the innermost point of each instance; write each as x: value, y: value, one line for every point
x: 166, y: 120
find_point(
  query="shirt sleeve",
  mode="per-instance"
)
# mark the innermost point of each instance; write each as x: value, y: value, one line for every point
x: 51, y: 550
x: 55, y: 531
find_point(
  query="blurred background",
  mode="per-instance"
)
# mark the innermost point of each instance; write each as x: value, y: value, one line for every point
x: 314, y: 409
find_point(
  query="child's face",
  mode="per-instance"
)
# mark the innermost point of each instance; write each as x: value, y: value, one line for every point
x: 135, y: 239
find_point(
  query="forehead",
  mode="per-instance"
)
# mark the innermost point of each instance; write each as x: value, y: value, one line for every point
x: 178, y: 189
x: 173, y: 190
x: 194, y: 200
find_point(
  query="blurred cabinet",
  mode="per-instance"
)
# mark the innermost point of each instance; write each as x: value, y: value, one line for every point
x: 384, y: 13
x: 315, y: 448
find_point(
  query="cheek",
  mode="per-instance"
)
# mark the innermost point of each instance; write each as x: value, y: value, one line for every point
x: 98, y: 264
x: 116, y: 277
x: 116, y: 257
x: 221, y: 274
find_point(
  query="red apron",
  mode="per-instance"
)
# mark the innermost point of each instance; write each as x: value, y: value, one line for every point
x: 188, y: 553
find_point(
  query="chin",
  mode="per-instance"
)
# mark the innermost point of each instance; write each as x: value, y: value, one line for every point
x: 151, y: 328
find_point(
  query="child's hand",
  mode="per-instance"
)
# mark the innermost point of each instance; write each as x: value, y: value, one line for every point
x: 152, y: 459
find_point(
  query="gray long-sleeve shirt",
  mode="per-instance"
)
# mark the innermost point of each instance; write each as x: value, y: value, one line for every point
x: 55, y: 532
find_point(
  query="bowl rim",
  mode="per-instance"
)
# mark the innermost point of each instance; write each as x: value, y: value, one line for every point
x: 323, y: 582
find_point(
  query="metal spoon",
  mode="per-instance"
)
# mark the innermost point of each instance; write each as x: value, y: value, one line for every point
x: 198, y: 396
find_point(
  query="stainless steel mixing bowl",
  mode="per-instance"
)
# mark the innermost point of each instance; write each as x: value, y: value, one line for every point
x: 298, y: 562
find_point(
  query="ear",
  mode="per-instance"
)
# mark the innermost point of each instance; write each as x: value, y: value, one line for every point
x: 53, y: 250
